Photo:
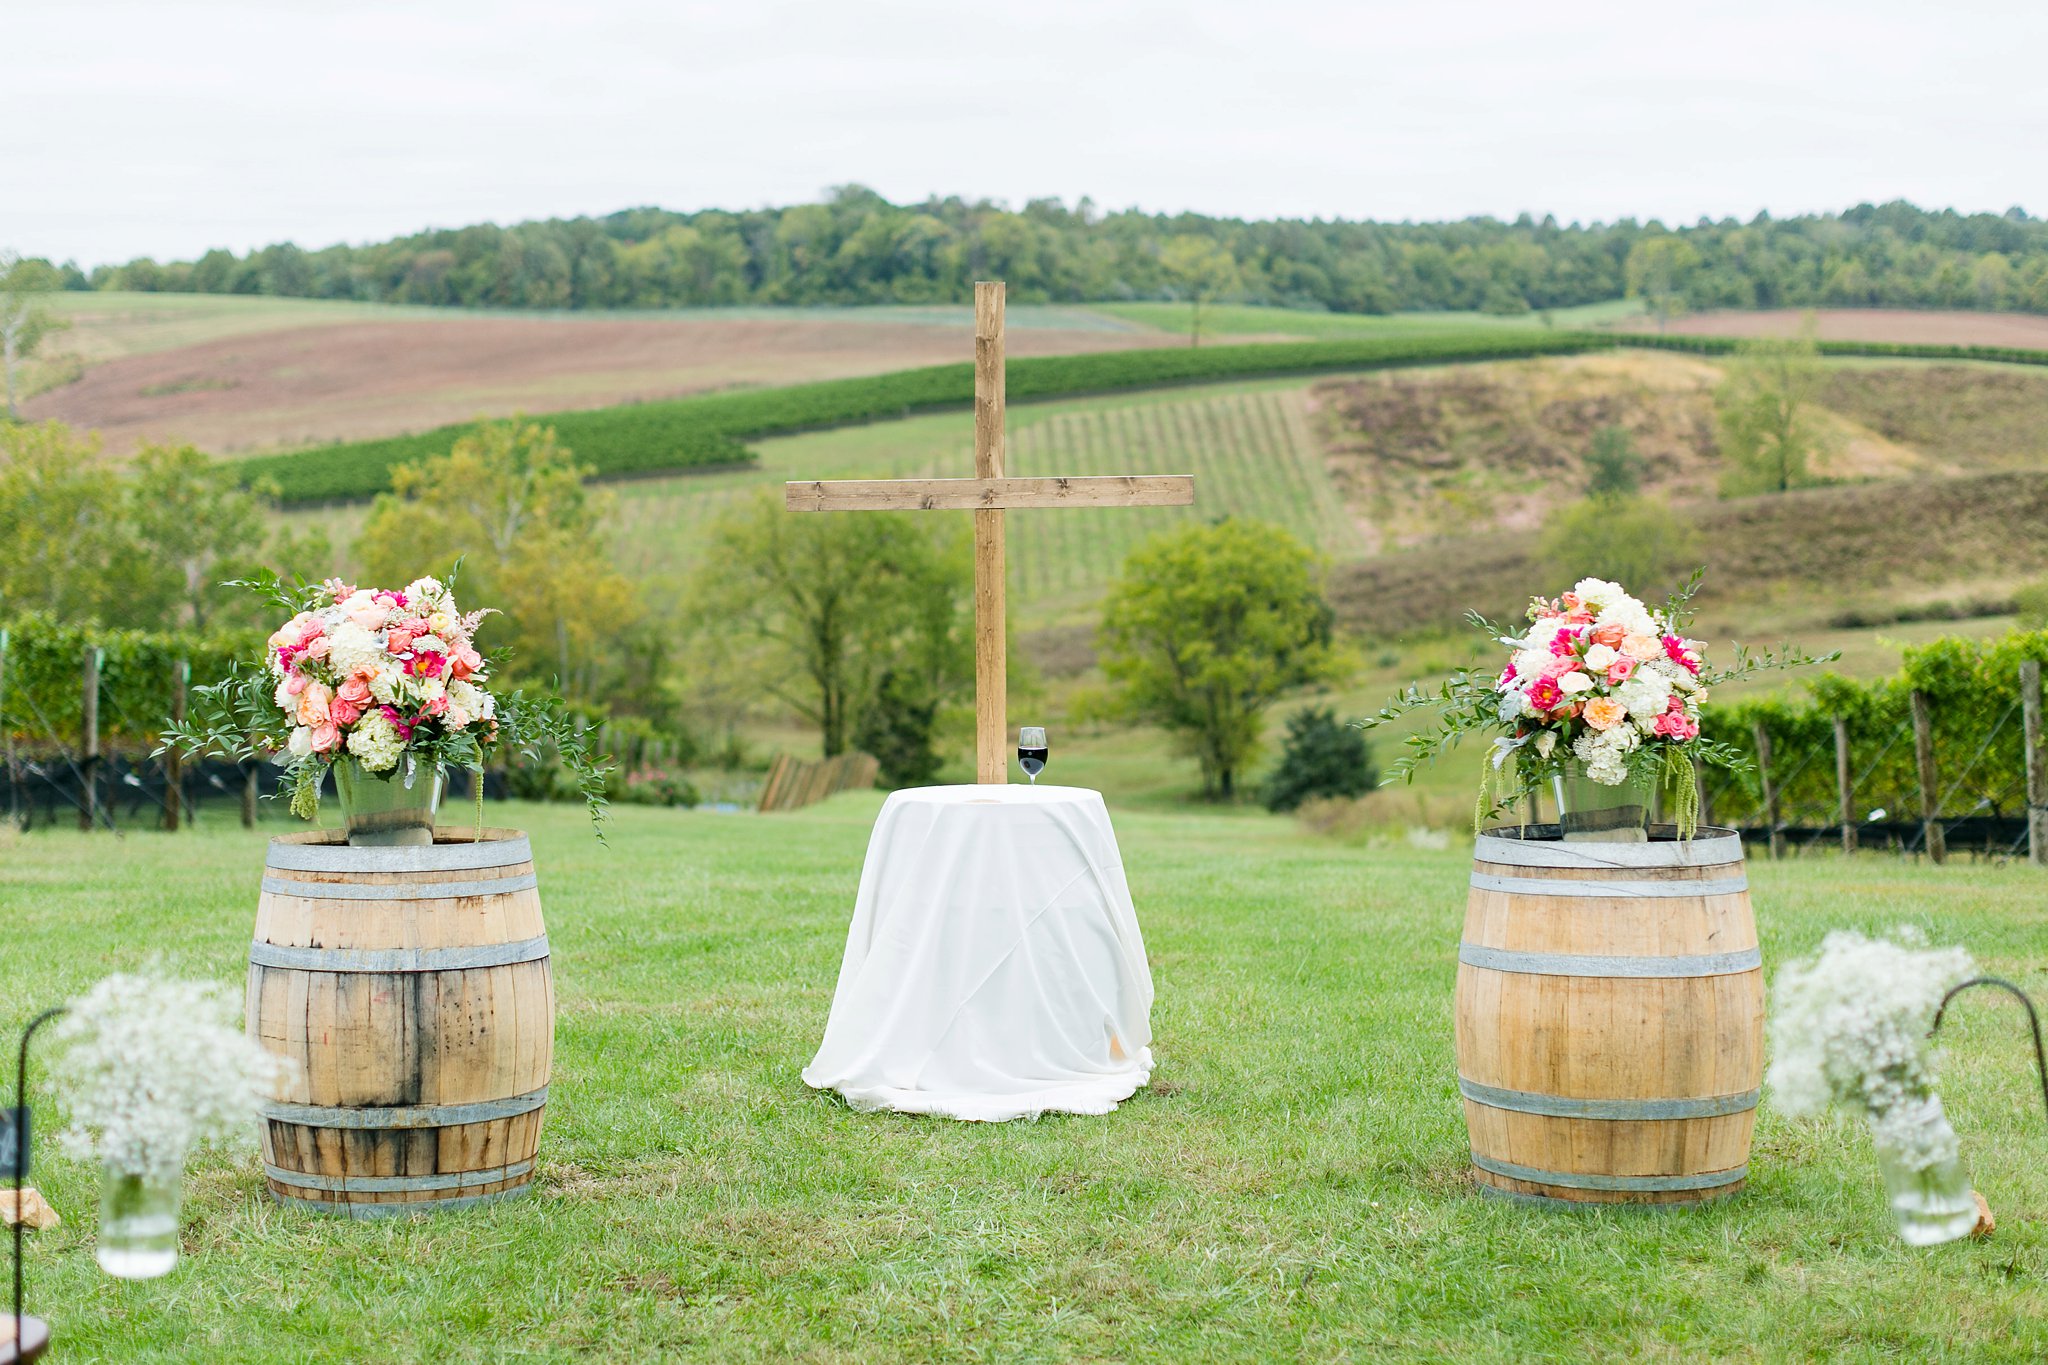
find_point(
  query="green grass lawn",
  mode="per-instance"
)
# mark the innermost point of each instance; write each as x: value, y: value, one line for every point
x: 1291, y: 1186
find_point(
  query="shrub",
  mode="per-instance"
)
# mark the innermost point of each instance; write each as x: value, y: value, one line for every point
x: 2030, y: 604
x: 897, y: 729
x: 1322, y: 758
x: 1631, y: 540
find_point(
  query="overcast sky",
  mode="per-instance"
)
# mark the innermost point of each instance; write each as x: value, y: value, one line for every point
x: 167, y: 127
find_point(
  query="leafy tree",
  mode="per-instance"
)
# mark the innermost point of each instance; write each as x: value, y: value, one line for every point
x: 819, y: 608
x: 1768, y: 412
x: 1632, y: 540
x: 1207, y: 628
x: 24, y: 320
x: 1657, y: 271
x: 1321, y: 758
x: 66, y: 547
x: 1199, y: 270
x: 897, y: 728
x: 197, y: 526
x: 511, y: 504
x: 1613, y: 469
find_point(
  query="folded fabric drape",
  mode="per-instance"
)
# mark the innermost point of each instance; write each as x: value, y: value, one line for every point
x: 994, y: 969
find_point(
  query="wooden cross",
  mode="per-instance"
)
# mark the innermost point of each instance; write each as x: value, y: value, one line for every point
x: 986, y: 495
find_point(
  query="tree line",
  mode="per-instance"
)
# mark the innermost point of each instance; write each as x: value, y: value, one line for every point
x: 856, y: 247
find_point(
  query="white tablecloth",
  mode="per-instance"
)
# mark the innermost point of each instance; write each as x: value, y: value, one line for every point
x: 994, y: 968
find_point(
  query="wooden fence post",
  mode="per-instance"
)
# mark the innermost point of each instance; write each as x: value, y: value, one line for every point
x: 2037, y: 763
x: 1845, y: 785
x: 89, y: 741
x: 1930, y: 792
x: 1763, y: 772
x: 174, y: 762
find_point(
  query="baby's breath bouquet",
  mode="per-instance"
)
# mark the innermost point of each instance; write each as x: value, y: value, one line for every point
x: 1850, y: 1032
x: 151, y: 1070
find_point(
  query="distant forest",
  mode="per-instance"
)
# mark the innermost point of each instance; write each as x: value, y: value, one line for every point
x: 856, y: 248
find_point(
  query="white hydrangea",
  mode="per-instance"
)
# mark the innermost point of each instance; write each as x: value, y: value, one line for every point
x: 387, y: 680
x: 375, y: 743
x: 350, y: 648
x: 1645, y: 695
x: 1605, y: 753
x: 1849, y: 1028
x: 153, y: 1069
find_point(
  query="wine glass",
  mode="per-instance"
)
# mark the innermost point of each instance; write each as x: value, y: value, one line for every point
x: 1031, y: 751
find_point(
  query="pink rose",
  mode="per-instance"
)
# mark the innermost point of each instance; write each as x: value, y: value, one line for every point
x: 344, y: 712
x: 437, y: 706
x: 326, y: 737
x: 296, y: 683
x: 356, y: 691
x: 465, y: 661
x: 1620, y: 671
x: 1559, y: 666
x: 317, y: 647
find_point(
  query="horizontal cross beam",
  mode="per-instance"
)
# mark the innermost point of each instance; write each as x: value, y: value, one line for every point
x: 936, y: 495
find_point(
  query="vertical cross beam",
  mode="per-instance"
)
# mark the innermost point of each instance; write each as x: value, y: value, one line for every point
x: 991, y: 660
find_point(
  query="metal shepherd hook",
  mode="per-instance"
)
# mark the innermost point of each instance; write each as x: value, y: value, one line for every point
x: 2033, y: 1019
x: 20, y: 1347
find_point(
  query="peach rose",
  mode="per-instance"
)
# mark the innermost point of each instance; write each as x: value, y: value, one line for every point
x: 1604, y: 713
x: 355, y: 690
x: 1642, y: 648
x: 313, y: 703
x: 1609, y: 636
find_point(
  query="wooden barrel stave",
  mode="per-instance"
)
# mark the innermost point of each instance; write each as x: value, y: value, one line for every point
x: 422, y: 1025
x: 1609, y: 1020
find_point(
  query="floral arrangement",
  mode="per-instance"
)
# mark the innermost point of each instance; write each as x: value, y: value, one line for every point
x: 152, y: 1069
x: 1850, y: 1032
x: 1596, y: 679
x: 387, y: 678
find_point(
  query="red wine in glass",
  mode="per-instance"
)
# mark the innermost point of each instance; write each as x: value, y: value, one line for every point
x: 1031, y: 751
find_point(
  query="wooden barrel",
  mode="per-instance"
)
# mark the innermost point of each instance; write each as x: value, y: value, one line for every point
x: 411, y: 986
x: 1610, y: 1018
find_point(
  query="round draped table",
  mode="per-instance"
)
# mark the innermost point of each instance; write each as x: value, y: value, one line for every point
x: 994, y: 968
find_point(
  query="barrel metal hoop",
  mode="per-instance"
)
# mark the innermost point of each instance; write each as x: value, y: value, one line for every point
x: 1601, y: 965
x: 1710, y: 851
x: 466, y: 958
x: 405, y: 1116
x: 398, y: 891
x: 384, y: 1184
x: 1593, y: 1206
x: 398, y: 1210
x: 460, y: 857
x: 1568, y: 1107
x: 1572, y: 1180
x: 1608, y: 890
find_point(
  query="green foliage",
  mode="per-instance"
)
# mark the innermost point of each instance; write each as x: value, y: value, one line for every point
x: 1613, y: 469
x: 142, y: 545
x: 1658, y: 271
x: 710, y: 431
x: 509, y: 504
x: 1207, y: 628
x: 816, y: 609
x: 42, y: 691
x: 897, y: 728
x: 1768, y: 413
x: 1321, y: 758
x: 1973, y: 693
x: 858, y: 248
x: 1624, y: 539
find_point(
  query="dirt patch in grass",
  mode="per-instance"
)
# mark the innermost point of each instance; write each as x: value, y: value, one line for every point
x: 1934, y: 327
x: 362, y: 379
x: 1966, y: 416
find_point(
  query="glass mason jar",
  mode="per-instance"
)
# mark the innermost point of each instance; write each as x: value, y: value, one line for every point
x: 394, y: 809
x: 1922, y: 1164
x: 1594, y: 812
x: 139, y: 1224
